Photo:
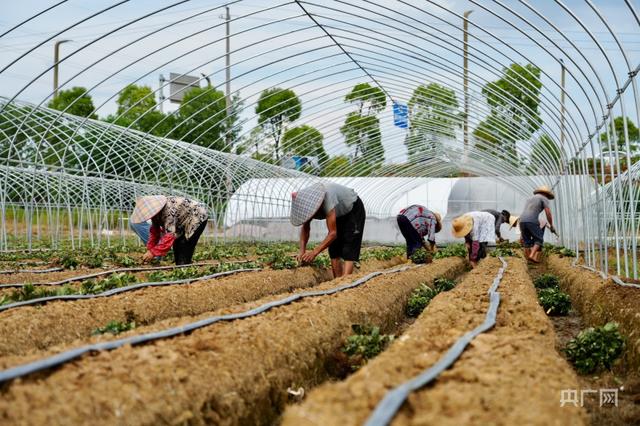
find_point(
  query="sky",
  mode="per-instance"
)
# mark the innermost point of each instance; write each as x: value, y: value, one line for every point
x: 399, y: 44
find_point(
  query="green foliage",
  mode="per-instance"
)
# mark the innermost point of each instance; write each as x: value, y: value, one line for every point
x: 125, y: 261
x: 363, y: 133
x: 382, y: 253
x: 595, y: 348
x: 421, y: 256
x: 276, y: 108
x: 337, y: 166
x: 554, y: 301
x: 112, y: 281
x: 304, y: 141
x: 452, y: 250
x: 202, y: 117
x: 365, y: 343
x: 279, y: 259
x: 114, y: 327
x: 30, y: 292
x: 322, y: 261
x: 369, y: 99
x: 419, y: 299
x: 441, y: 284
x: 433, y: 115
x: 504, y: 252
x: 618, y: 127
x: 68, y: 261
x: 514, y: 100
x: 74, y: 101
x: 548, y: 249
x: 546, y: 156
x: 546, y: 281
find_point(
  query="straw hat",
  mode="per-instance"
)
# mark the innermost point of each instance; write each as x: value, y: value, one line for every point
x: 462, y: 225
x: 147, y: 207
x: 438, y: 221
x: 306, y: 202
x: 545, y: 190
x: 513, y: 221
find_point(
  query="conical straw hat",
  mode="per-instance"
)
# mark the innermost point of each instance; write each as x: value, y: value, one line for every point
x: 462, y: 225
x: 544, y: 189
x: 147, y: 207
x: 306, y: 202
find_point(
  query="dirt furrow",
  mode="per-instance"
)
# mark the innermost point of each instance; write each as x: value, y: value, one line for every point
x: 37, y: 328
x: 229, y: 373
x: 600, y: 301
x: 509, y: 375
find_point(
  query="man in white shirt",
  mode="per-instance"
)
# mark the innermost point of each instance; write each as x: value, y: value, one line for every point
x: 477, y: 229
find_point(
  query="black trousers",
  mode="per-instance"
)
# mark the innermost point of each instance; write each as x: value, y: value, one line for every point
x: 184, y: 248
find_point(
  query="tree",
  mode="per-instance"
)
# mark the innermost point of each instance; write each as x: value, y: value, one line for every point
x: 363, y: 133
x: 370, y: 100
x: 304, y: 141
x: 336, y: 166
x: 77, y: 100
x: 361, y: 128
x: 514, y: 101
x: 275, y: 109
x: 618, y: 127
x: 202, y: 118
x: 489, y: 136
x: 546, y: 156
x: 433, y: 115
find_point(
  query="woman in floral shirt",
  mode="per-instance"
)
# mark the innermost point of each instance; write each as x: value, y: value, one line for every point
x: 417, y: 222
x: 175, y: 222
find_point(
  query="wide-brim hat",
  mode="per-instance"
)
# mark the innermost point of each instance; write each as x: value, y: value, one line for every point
x: 147, y: 207
x: 438, y: 221
x: 306, y: 202
x: 461, y: 226
x: 513, y: 221
x: 544, y: 189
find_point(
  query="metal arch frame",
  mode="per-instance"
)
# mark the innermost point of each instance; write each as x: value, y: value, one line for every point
x: 98, y: 175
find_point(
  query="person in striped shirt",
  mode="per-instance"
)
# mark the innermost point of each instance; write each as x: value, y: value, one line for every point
x: 417, y: 222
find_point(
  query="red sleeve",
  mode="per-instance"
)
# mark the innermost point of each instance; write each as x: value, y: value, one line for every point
x: 164, y: 245
x: 154, y: 237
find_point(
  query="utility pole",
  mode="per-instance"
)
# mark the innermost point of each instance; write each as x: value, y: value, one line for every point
x: 56, y: 59
x: 466, y: 78
x: 227, y: 18
x: 562, y: 81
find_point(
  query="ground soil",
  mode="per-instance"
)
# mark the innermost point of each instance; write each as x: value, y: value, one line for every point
x: 509, y: 375
x: 30, y: 330
x: 229, y: 373
x: 595, y: 302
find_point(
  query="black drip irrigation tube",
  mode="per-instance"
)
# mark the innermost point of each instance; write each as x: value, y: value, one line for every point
x: 387, y: 408
x: 117, y: 271
x: 616, y: 279
x: 119, y: 290
x: 30, y: 271
x: 64, y: 357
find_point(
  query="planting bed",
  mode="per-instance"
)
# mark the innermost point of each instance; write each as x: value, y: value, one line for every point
x: 35, y: 328
x: 227, y: 373
x: 600, y: 301
x: 508, y: 375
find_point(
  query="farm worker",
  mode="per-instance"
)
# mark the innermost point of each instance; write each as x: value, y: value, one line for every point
x: 478, y: 229
x: 142, y: 231
x: 532, y: 233
x: 175, y: 222
x: 344, y: 214
x: 416, y: 222
x: 500, y: 217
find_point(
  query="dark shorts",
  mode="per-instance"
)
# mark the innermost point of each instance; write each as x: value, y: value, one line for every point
x: 350, y: 229
x: 411, y: 236
x: 532, y: 234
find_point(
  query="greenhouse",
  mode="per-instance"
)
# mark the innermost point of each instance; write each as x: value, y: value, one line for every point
x: 318, y: 212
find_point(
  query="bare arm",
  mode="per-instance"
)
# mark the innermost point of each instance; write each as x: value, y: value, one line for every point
x: 332, y: 234
x: 547, y: 211
x: 304, y: 237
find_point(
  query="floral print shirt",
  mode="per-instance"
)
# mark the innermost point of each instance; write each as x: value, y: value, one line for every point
x: 180, y: 216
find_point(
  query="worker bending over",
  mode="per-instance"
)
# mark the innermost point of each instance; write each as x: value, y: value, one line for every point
x: 417, y: 222
x: 478, y: 230
x: 344, y: 214
x: 500, y: 217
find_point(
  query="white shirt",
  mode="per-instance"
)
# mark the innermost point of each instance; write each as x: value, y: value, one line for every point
x: 484, y: 225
